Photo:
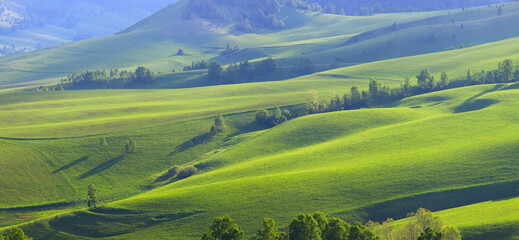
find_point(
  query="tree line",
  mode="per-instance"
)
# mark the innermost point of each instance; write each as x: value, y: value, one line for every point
x: 506, y: 72
x: 379, y: 94
x: 241, y: 72
x: 422, y: 225
x: 109, y: 79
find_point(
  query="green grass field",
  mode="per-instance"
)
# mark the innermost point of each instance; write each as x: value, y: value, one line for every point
x: 452, y: 151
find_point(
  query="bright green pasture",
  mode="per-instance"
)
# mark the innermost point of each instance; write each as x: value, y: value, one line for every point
x: 88, y: 112
x: 340, y: 163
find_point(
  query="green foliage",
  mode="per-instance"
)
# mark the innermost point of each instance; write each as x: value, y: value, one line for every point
x: 304, y: 67
x: 224, y: 228
x: 444, y: 79
x: 197, y: 65
x: 304, y: 227
x: 312, y: 101
x: 336, y: 229
x: 277, y: 118
x: 262, y: 116
x: 173, y: 171
x: 215, y: 72
x: 219, y: 124
x: 16, y: 234
x: 426, y: 80
x: 422, y: 225
x: 406, y: 87
x: 429, y: 234
x: 505, y: 70
x: 269, y: 231
x: 92, y: 197
x: 187, y: 172
x: 130, y: 146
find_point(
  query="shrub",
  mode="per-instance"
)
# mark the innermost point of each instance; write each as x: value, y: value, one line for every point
x: 262, y: 116
x: 174, y: 170
x: 130, y: 146
x: 187, y: 172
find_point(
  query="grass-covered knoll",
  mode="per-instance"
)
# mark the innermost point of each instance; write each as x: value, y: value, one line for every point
x: 340, y: 163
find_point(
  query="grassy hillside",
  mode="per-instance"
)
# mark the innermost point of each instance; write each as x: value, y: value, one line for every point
x: 155, y: 41
x: 341, y: 163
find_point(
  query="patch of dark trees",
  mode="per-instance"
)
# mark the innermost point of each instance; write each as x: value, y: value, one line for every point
x: 113, y: 79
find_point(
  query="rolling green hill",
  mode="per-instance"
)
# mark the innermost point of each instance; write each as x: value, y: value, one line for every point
x: 343, y: 163
x: 154, y: 41
x: 452, y: 151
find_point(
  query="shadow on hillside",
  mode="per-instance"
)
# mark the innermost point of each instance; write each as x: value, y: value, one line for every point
x: 76, y: 162
x: 198, y: 140
x: 435, y: 201
x: 106, y: 165
x: 473, y: 104
x: 101, y: 223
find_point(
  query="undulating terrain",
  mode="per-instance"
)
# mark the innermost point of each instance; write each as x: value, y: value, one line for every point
x: 453, y: 150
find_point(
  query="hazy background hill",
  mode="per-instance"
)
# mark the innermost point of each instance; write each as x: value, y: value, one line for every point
x: 32, y: 24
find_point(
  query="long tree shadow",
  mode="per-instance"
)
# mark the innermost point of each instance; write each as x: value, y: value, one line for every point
x: 473, y: 104
x: 198, y: 140
x: 102, y: 167
x: 82, y: 159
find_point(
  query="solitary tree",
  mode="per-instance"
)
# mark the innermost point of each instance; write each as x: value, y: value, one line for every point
x: 445, y: 79
x: 312, y: 101
x: 500, y: 11
x: 224, y: 228
x: 92, y: 197
x: 181, y: 52
x: 219, y: 124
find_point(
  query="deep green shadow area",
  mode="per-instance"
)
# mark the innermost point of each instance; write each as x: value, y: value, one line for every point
x: 506, y: 231
x: 106, y: 165
x: 471, y: 104
x: 435, y: 201
x: 101, y: 223
x: 475, y: 105
x: 76, y: 162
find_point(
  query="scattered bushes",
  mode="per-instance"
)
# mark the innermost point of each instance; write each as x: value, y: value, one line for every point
x: 278, y: 117
x: 174, y: 171
x: 187, y: 172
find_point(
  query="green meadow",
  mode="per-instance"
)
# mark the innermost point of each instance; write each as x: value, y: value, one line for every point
x: 452, y: 151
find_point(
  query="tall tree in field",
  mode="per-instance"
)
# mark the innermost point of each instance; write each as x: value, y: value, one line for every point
x: 92, y: 197
x: 224, y: 228
x: 312, y: 101
x: 406, y: 87
x: 219, y: 124
x: 426, y: 80
x: 500, y: 11
x: 505, y: 70
x: 444, y: 79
